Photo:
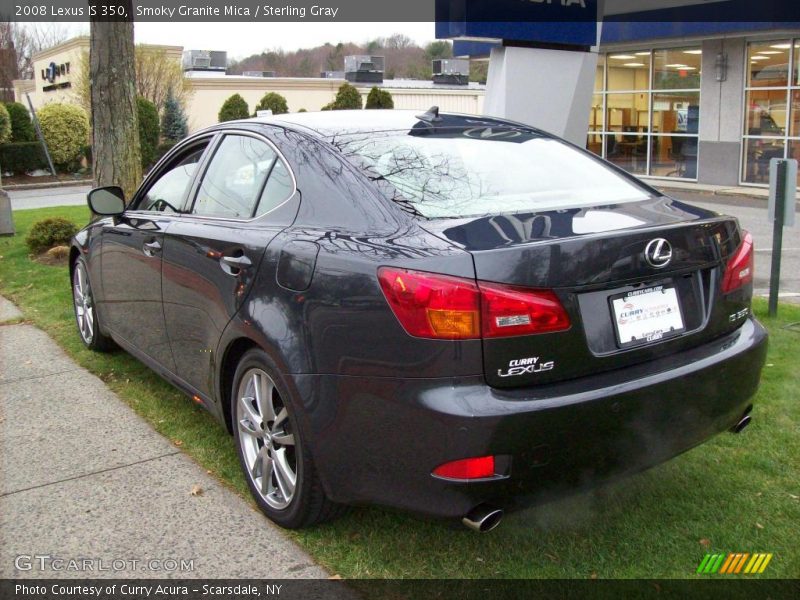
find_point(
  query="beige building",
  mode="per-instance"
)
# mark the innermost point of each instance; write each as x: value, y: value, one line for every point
x: 209, y: 90
x: 55, y: 71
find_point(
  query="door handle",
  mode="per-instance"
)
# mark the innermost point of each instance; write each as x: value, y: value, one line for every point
x: 236, y: 262
x: 151, y: 248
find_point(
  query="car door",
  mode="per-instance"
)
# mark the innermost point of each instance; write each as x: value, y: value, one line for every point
x: 212, y: 253
x: 131, y: 257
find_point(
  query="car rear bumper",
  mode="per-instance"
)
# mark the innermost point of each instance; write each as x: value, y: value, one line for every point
x: 376, y: 440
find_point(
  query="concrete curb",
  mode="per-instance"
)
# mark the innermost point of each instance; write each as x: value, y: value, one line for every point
x: 8, y: 312
x: 51, y: 184
x: 757, y: 195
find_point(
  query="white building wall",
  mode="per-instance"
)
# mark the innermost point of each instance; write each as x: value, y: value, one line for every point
x: 209, y: 93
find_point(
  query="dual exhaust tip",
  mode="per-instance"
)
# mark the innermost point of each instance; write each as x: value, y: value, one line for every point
x: 744, y: 421
x: 483, y: 518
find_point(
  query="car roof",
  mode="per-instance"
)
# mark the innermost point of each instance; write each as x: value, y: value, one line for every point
x: 331, y: 123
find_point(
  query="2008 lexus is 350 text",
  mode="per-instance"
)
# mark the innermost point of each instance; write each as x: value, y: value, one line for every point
x: 450, y: 314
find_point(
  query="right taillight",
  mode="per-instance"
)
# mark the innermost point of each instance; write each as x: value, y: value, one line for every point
x: 739, y: 270
x: 436, y: 306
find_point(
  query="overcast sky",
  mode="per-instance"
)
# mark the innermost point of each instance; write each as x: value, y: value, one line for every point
x: 244, y: 39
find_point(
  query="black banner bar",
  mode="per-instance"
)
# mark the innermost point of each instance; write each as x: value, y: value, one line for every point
x: 729, y: 587
x: 785, y: 12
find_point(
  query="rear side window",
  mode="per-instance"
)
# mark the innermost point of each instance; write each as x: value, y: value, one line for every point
x: 461, y: 172
x: 278, y: 188
x: 235, y: 183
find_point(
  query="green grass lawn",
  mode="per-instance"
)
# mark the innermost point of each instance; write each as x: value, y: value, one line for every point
x: 733, y: 494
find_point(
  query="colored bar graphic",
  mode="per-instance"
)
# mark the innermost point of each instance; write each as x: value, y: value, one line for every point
x: 703, y: 563
x: 731, y: 558
x: 734, y: 563
x: 740, y: 564
x: 765, y: 563
x: 749, y: 567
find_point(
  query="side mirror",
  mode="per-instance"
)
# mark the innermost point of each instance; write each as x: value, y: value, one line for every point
x: 106, y: 201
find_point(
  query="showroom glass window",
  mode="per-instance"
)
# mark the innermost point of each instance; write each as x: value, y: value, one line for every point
x: 772, y: 107
x: 646, y: 111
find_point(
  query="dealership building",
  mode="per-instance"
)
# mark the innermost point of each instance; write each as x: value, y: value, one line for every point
x: 710, y: 107
x: 699, y: 101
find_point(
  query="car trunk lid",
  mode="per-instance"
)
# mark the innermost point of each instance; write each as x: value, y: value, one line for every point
x: 596, y: 261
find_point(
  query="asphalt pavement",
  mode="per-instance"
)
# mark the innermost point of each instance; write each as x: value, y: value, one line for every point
x: 752, y: 215
x: 72, y: 195
x: 87, y: 482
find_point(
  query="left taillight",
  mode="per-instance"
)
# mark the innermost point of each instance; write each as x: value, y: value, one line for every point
x: 433, y: 306
x: 437, y: 306
x: 739, y: 270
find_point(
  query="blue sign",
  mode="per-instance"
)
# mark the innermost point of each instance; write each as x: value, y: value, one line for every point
x: 565, y: 22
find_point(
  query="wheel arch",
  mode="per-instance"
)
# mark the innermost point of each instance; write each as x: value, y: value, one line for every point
x: 230, y: 359
x: 74, y: 253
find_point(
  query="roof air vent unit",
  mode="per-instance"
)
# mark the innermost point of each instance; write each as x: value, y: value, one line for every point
x: 205, y: 60
x: 364, y: 69
x: 452, y: 71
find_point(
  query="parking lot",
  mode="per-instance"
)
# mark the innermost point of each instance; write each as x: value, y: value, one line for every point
x: 752, y: 214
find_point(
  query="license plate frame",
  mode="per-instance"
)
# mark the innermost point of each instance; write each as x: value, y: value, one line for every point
x: 661, y: 319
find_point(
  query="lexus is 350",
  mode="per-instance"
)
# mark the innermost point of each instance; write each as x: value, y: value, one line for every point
x: 450, y: 314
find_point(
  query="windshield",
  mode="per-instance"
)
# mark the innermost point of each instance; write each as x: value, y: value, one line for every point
x: 463, y: 172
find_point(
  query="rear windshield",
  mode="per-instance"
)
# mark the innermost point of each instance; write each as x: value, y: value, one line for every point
x: 462, y: 172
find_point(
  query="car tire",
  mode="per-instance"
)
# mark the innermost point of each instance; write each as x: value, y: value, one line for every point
x: 86, y: 317
x: 269, y: 442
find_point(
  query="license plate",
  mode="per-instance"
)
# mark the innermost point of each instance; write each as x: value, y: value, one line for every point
x: 647, y: 315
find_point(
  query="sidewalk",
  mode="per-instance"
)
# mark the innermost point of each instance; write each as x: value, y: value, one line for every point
x: 83, y: 477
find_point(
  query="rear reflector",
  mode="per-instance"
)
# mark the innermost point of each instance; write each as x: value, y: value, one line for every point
x: 443, y: 307
x: 740, y: 266
x: 467, y: 468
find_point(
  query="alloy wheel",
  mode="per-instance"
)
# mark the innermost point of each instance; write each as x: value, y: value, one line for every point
x: 266, y: 439
x: 84, y: 305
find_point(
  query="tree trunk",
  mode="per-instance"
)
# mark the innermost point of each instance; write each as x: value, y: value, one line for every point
x: 115, y: 129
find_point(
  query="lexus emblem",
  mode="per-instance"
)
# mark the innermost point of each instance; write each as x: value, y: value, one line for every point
x: 658, y: 253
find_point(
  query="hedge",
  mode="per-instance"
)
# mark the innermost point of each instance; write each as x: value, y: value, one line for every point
x: 47, y: 233
x: 22, y: 157
x: 5, y: 124
x: 274, y: 102
x: 233, y: 108
x: 148, y: 130
x: 21, y: 126
x: 378, y: 98
x: 65, y: 128
x: 347, y: 98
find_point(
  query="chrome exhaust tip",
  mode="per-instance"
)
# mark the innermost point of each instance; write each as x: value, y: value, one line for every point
x: 744, y: 422
x: 483, y: 518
